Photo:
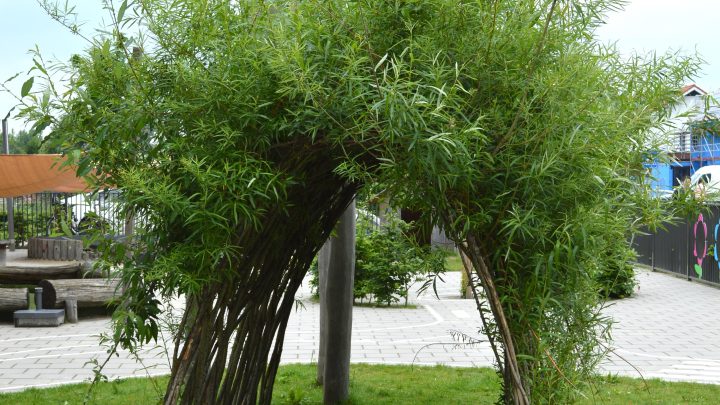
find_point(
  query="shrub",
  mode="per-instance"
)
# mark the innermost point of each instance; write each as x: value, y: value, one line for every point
x: 616, y: 278
x: 388, y: 261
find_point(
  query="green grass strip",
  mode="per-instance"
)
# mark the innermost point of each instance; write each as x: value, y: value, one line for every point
x: 385, y: 384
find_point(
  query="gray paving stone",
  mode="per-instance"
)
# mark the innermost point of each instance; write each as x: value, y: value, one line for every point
x: 667, y: 330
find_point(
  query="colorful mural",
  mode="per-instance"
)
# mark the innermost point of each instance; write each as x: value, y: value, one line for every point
x: 689, y: 247
x: 699, y: 258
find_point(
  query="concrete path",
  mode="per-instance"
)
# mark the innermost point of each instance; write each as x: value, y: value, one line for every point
x: 669, y: 330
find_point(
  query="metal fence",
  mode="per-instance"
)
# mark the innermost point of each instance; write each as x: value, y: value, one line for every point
x: 687, y: 248
x: 55, y: 214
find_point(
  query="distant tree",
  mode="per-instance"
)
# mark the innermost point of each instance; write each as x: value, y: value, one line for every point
x: 25, y: 142
x: 29, y: 143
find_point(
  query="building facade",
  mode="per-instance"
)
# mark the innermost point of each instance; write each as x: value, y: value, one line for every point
x: 691, y: 141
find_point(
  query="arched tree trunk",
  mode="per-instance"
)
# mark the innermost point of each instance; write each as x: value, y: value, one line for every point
x: 515, y: 391
x: 233, y: 330
x: 514, y: 386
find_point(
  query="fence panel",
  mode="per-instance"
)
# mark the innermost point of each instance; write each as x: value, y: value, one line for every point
x: 703, y: 256
x: 688, y: 247
x: 643, y: 245
x: 43, y: 214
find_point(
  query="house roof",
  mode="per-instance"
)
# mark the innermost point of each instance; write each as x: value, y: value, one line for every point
x: 692, y: 89
x: 28, y: 174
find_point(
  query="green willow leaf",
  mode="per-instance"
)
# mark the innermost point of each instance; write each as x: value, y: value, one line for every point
x: 26, y: 87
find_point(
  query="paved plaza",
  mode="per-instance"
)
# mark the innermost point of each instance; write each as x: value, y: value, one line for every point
x: 670, y: 329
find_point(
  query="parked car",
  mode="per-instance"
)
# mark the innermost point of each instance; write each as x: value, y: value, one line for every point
x: 706, y: 180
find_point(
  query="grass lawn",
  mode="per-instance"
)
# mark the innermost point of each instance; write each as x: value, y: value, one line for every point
x: 374, y: 384
x: 453, y: 262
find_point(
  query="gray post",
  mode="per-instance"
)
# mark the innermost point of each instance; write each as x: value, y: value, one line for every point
x: 11, y: 222
x: 5, y: 135
x: 129, y: 228
x: 652, y: 252
x: 687, y: 248
x: 8, y: 200
x: 38, y: 298
x: 337, y: 310
x: 71, y: 311
x: 323, y: 265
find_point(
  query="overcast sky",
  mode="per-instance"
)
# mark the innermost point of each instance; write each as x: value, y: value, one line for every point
x: 644, y: 25
x: 23, y: 25
x: 679, y: 25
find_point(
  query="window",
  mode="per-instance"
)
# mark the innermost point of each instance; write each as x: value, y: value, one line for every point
x: 682, y: 141
x: 696, y: 142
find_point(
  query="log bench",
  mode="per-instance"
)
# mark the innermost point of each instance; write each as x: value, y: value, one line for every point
x: 62, y: 248
x: 27, y: 273
x: 89, y: 292
x: 12, y: 299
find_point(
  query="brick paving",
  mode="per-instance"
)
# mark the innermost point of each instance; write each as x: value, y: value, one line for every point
x: 670, y: 329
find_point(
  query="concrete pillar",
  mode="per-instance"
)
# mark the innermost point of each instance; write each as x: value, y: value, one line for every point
x: 323, y: 265
x: 10, y: 209
x: 336, y: 310
x: 38, y: 298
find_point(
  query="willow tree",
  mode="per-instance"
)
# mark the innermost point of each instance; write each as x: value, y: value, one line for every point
x: 239, y: 132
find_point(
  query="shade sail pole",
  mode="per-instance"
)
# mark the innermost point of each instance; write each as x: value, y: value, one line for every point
x: 9, y: 200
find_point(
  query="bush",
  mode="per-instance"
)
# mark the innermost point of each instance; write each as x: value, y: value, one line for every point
x: 388, y: 262
x: 23, y: 227
x: 616, y: 279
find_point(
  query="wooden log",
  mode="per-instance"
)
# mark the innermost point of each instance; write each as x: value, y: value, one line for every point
x: 79, y: 251
x: 33, y: 274
x: 12, y: 299
x: 55, y: 249
x: 70, y: 254
x: 71, y: 312
x: 89, y: 292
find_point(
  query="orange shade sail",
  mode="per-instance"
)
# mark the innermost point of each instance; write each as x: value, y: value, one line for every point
x: 28, y: 174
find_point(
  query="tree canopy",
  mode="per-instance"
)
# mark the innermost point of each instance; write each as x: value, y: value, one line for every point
x: 239, y: 131
x: 29, y: 143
